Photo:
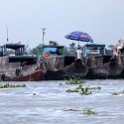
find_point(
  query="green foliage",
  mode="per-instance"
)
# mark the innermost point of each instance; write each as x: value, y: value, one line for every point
x: 118, y: 93
x: 12, y: 86
x: 69, y: 90
x: 114, y: 94
x: 95, y: 88
x: 73, y: 110
x: 79, y: 87
x: 52, y: 42
x: 34, y: 51
x: 31, y: 79
x: 88, y: 112
x: 34, y: 94
x: 75, y: 90
x: 75, y: 80
x: 85, y: 91
x: 90, y: 88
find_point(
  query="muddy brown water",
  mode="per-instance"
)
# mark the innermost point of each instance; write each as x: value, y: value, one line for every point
x: 20, y: 106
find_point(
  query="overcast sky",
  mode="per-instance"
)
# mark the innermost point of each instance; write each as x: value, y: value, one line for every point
x: 103, y: 20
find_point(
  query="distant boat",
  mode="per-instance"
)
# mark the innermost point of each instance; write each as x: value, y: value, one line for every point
x: 95, y: 64
x: 18, y: 66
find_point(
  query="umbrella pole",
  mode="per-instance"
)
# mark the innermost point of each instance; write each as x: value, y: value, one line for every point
x: 78, y: 43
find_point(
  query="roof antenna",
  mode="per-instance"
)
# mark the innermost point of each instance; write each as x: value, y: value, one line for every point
x: 43, y: 33
x: 27, y: 43
x: 7, y: 34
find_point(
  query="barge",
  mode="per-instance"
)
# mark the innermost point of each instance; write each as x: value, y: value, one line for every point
x: 15, y: 65
x: 96, y: 64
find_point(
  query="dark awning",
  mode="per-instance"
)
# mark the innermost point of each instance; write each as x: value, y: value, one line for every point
x: 14, y: 46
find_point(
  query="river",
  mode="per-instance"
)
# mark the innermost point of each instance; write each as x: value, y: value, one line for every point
x: 46, y: 102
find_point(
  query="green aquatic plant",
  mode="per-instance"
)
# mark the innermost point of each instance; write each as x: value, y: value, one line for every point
x: 31, y: 79
x: 69, y: 90
x: 118, y: 93
x: 75, y: 80
x: 89, y: 112
x: 114, y: 94
x: 95, y: 88
x: 90, y: 88
x: 75, y: 90
x: 85, y: 91
x: 79, y: 87
x: 11, y: 86
x: 73, y: 110
x: 34, y: 94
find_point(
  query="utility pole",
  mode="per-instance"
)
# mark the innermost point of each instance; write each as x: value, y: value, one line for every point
x: 43, y: 33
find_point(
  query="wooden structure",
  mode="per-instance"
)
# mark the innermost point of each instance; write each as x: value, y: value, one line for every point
x: 16, y: 65
x: 96, y: 64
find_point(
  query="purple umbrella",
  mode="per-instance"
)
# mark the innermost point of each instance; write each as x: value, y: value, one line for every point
x: 79, y: 36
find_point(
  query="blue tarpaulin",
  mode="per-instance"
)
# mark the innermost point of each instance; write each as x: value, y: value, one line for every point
x: 50, y: 49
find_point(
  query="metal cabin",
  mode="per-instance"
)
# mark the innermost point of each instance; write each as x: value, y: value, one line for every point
x: 93, y: 50
x: 16, y: 53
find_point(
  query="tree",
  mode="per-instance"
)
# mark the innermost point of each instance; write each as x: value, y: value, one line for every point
x: 34, y: 51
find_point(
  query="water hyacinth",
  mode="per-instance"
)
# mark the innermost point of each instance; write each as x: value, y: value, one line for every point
x: 69, y: 90
x: 118, y: 93
x: 11, y: 85
x: 34, y: 94
x: 79, y: 87
x: 95, y: 88
x: 89, y: 112
x: 75, y: 80
x: 85, y: 91
x: 73, y: 110
x: 114, y: 94
x: 31, y: 79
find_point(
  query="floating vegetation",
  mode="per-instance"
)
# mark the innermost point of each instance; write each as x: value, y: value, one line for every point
x: 75, y: 80
x: 73, y: 110
x: 79, y: 87
x: 75, y: 90
x: 85, y: 91
x: 89, y: 112
x: 69, y: 90
x: 118, y: 93
x: 34, y: 94
x: 11, y: 85
x: 31, y: 79
x: 114, y: 94
x: 95, y: 88
x: 90, y: 88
